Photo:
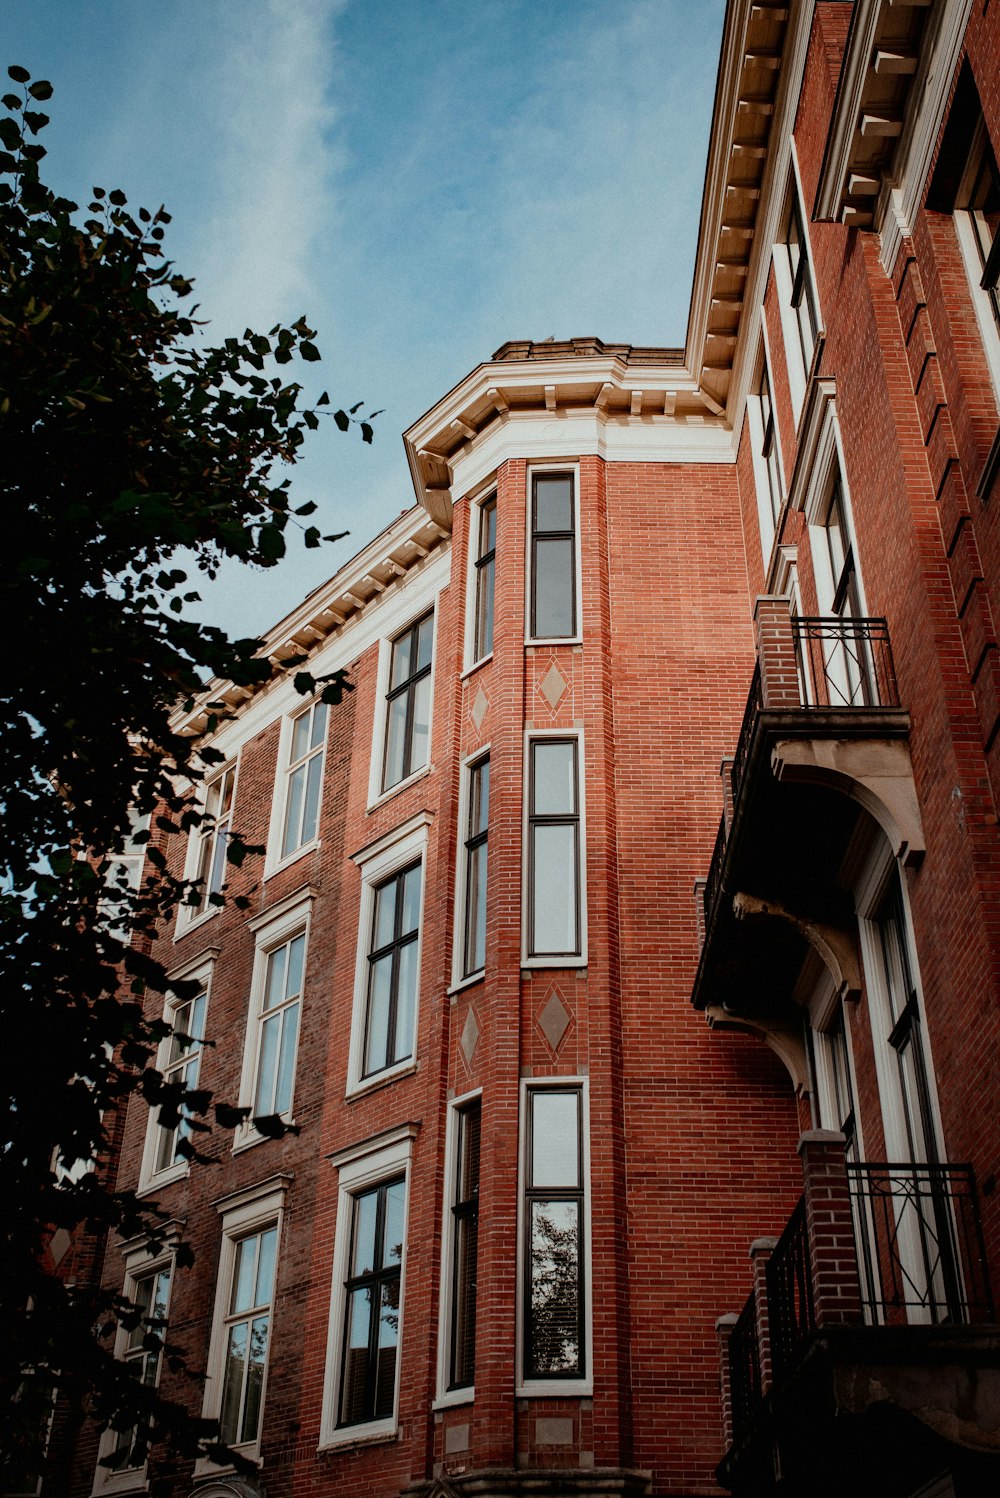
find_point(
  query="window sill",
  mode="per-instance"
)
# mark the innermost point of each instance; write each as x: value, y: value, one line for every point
x: 163, y: 1178
x: 454, y: 1399
x: 542, y: 643
x: 133, y: 1480
x: 400, y: 785
x: 250, y: 1137
x: 531, y: 964
x: 205, y: 1467
x: 464, y: 983
x: 476, y: 666
x: 270, y: 869
x: 381, y: 1079
x: 378, y: 1433
x: 185, y: 925
x: 562, y: 1388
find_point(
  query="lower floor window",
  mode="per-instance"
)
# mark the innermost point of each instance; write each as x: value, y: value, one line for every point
x: 141, y: 1354
x: 247, y: 1328
x: 554, y: 1235
x: 371, y: 1331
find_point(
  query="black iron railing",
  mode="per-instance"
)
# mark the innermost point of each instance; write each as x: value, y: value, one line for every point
x: 744, y: 1370
x: 920, y: 1244
x: 750, y: 715
x: 713, y: 883
x: 845, y: 662
x: 791, y: 1310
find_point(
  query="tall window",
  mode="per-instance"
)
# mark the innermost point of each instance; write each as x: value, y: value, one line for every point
x: 803, y: 297
x: 983, y: 207
x: 899, y: 994
x: 278, y: 1020
x: 213, y: 835
x: 477, y: 834
x: 140, y: 1351
x: 848, y: 667
x: 769, y: 448
x: 485, y: 573
x: 372, y: 1289
x: 247, y: 1328
x: 305, y: 779
x: 181, y: 1066
x: 393, y: 971
x: 553, y: 556
x: 554, y: 1301
x: 464, y: 1248
x: 408, y: 724
x: 553, y: 865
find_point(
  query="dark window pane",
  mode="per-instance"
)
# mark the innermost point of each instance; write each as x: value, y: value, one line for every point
x: 553, y: 502
x: 554, y: 893
x: 554, y: 1288
x: 553, y: 777
x: 553, y: 587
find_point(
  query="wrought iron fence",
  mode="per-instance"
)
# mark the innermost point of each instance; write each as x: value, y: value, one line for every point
x: 791, y: 1310
x: 845, y: 662
x: 744, y: 1369
x: 920, y: 1244
x: 713, y: 883
x: 750, y: 715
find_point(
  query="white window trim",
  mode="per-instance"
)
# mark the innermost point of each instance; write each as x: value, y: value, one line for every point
x: 379, y: 861
x: 198, y: 969
x: 243, y: 1213
x: 140, y: 1263
x: 459, y: 979
x: 575, y: 731
x: 446, y: 1398
x: 571, y: 466
x: 274, y: 860
x: 188, y: 917
x: 285, y: 920
x: 376, y: 795
x: 824, y: 1005
x: 798, y: 374
x: 360, y: 1167
x: 762, y: 484
x: 989, y: 333
x: 563, y: 1387
x: 475, y: 501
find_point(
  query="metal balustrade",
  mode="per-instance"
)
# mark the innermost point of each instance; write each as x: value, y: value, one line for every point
x: 791, y: 1307
x: 744, y: 1369
x: 844, y: 663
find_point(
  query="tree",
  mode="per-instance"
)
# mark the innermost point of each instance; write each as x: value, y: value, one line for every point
x: 127, y: 442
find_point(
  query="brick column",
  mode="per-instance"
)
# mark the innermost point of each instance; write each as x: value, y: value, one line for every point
x: 779, y: 677
x: 761, y: 1250
x: 833, y: 1259
x: 723, y: 1331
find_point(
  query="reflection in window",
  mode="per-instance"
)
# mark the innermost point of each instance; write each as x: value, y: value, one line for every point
x: 392, y: 971
x: 485, y: 577
x: 553, y: 849
x: 247, y: 1326
x: 371, y: 1337
x: 213, y: 835
x: 141, y: 1355
x: 305, y: 779
x: 408, y: 725
x: 279, y: 1027
x: 182, y: 1065
x: 554, y: 1289
x: 477, y: 834
x: 553, y: 557
x: 465, y: 1248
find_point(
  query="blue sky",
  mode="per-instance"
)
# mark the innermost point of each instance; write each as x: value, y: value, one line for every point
x: 423, y: 178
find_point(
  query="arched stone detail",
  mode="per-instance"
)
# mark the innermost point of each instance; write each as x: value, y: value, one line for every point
x: 227, y: 1487
x: 877, y: 773
x: 788, y: 1045
x: 836, y: 946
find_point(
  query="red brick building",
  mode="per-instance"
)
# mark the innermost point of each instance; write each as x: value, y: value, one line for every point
x: 497, y: 904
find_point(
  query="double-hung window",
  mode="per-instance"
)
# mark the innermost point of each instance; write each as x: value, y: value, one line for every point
x: 475, y: 867
x: 803, y: 296
x: 485, y: 578
x: 462, y: 1248
x: 140, y: 1341
x: 278, y: 1026
x: 554, y: 1227
x: 180, y: 1067
x: 977, y: 221
x: 553, y: 566
x: 408, y: 703
x: 554, y: 905
x: 393, y: 957
x: 213, y: 836
x: 304, y: 779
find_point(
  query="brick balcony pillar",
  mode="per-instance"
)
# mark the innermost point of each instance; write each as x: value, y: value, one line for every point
x: 726, y: 776
x: 761, y: 1250
x: 833, y: 1258
x: 779, y: 675
x: 723, y: 1331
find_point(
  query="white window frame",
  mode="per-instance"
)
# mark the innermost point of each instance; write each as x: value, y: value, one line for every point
x: 572, y: 467
x: 140, y: 1264
x: 476, y: 501
x: 378, y: 862
x: 376, y: 795
x: 198, y: 969
x: 281, y: 924
x: 361, y: 1168
x: 555, y: 1387
x: 972, y: 258
x: 243, y: 1214
x: 798, y: 373
x: 446, y: 1397
x: 274, y: 858
x: 532, y: 735
x: 459, y: 979
x: 762, y: 482
x: 189, y: 916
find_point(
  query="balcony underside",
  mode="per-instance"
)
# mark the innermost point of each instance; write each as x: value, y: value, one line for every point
x: 877, y: 1412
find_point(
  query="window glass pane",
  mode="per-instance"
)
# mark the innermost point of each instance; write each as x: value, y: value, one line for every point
x: 365, y: 1222
x: 411, y: 900
x: 406, y: 996
x: 553, y: 889
x: 388, y: 1337
x: 318, y: 725
x: 554, y: 503
x: 217, y: 874
x: 421, y: 725
x: 489, y: 523
x: 378, y: 1013
x: 484, y: 612
x: 555, y: 1139
x: 554, y: 1292
x: 300, y: 736
x: 310, y: 813
x: 232, y: 1389
x: 255, y: 1378
x: 264, y: 1097
x: 293, y: 810
x: 475, y: 936
x: 244, y: 1275
x: 265, y: 1266
x: 402, y: 654
x: 396, y: 742
x: 296, y: 950
x: 554, y: 778
x: 385, y: 914
x: 425, y: 640
x: 286, y: 1060
x: 352, y: 1399
x: 274, y: 991
x: 553, y: 589
x: 395, y: 1203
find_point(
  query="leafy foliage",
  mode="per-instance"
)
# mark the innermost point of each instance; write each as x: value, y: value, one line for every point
x: 127, y: 441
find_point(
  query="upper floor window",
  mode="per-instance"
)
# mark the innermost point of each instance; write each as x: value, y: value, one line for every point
x: 278, y: 1026
x: 304, y: 779
x: 766, y: 459
x: 797, y: 301
x: 553, y: 562
x: 554, y: 1228
x: 554, y: 874
x: 473, y: 902
x: 408, y: 703
x: 485, y: 578
x: 392, y: 970
x: 213, y: 835
x: 977, y: 221
x: 180, y: 1066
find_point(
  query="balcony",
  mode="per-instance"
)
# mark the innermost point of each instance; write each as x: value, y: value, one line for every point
x: 823, y: 744
x: 867, y: 1357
